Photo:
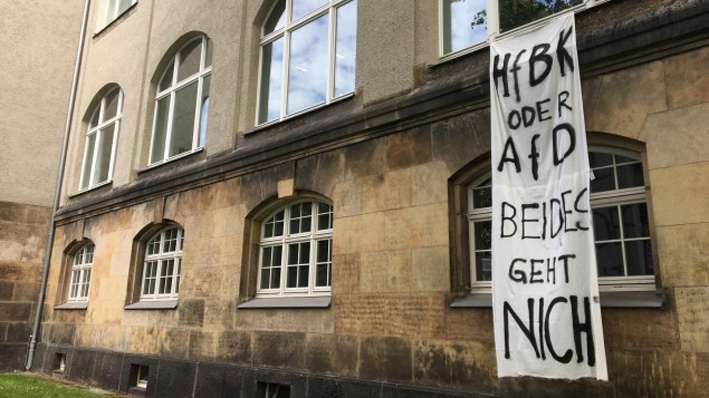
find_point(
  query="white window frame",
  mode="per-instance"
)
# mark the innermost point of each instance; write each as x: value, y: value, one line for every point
x: 493, y: 26
x: 330, y: 7
x: 81, y: 272
x: 161, y: 257
x: 287, y: 238
x: 632, y: 195
x: 97, y: 131
x: 170, y: 92
x: 113, y: 11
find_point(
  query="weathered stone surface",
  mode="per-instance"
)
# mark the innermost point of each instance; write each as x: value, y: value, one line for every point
x: 663, y: 147
x: 455, y: 363
x: 430, y: 269
x: 6, y: 290
x: 58, y: 333
x: 191, y: 312
x: 345, y: 271
x: 386, y: 271
x: 693, y: 318
x: 386, y: 358
x: 418, y: 226
x: 19, y: 271
x: 234, y: 346
x: 347, y: 197
x: 687, y: 84
x: 429, y: 183
x: 279, y: 350
x: 470, y: 324
x: 18, y: 332
x: 320, y: 173
x: 402, y: 314
x: 640, y: 328
x: 10, y: 311
x: 625, y: 100
x: 683, y: 252
x: 409, y: 148
x: 365, y: 233
x: 331, y: 353
x: 303, y: 320
x: 365, y: 159
x: 202, y: 345
x: 391, y: 190
x: 457, y: 141
x: 637, y: 373
x: 679, y: 194
x: 175, y: 344
x: 176, y: 379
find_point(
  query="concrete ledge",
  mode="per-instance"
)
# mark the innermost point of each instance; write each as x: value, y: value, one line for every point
x: 153, y: 305
x: 286, y: 302
x: 73, y: 305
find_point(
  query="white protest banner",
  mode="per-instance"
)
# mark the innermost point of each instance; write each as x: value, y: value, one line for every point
x: 545, y: 293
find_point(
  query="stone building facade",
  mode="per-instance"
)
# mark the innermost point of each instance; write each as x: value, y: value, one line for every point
x: 337, y: 250
x: 35, y: 83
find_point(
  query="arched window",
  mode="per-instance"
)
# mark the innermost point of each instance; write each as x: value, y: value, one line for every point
x: 620, y: 222
x: 81, y: 269
x: 295, y: 250
x: 161, y: 265
x: 307, y: 56
x: 182, y: 102
x: 101, y: 138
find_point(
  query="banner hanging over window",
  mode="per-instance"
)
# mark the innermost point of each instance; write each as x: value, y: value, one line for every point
x: 545, y: 291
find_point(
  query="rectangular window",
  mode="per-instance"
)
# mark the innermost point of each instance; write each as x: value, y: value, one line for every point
x: 467, y: 24
x: 115, y: 8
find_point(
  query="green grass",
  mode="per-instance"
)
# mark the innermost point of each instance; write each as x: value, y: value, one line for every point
x: 16, y: 385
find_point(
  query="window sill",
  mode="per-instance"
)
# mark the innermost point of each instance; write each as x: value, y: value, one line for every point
x: 153, y: 305
x: 93, y: 188
x: 274, y: 122
x: 286, y: 302
x: 628, y: 299
x: 72, y: 305
x: 172, y: 159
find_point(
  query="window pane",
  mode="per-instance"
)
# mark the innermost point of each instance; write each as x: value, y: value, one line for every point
x: 161, y: 115
x: 292, y: 279
x: 322, y: 275
x: 89, y: 161
x: 345, y: 49
x: 302, y: 7
x: 324, y: 216
x: 124, y: 5
x: 603, y: 180
x: 277, y: 19
x: 597, y: 159
x: 304, y: 253
x: 208, y: 53
x: 482, y: 197
x: 515, y: 13
x: 639, y: 257
x: 166, y: 81
x: 483, y: 266
x: 303, y: 276
x: 189, y: 60
x: 630, y: 175
x: 605, y: 223
x: 183, y: 120
x: 293, y: 254
x: 204, y: 112
x: 271, y: 81
x: 103, y: 159
x: 307, y: 79
x: 464, y: 24
x: 483, y: 235
x: 610, y: 259
x: 265, y: 274
x: 323, y: 251
x: 635, y: 221
x: 111, y: 109
x: 94, y: 118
